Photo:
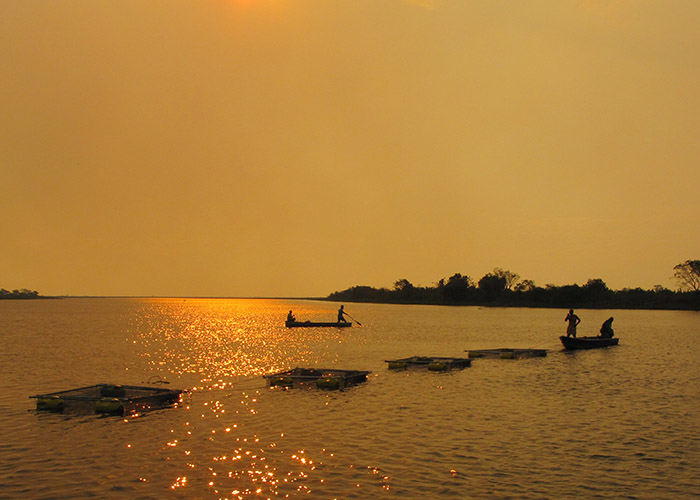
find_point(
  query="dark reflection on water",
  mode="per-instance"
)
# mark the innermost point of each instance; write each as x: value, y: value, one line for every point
x: 611, y: 422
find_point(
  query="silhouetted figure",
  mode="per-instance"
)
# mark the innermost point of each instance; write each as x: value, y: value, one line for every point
x: 573, y: 323
x: 341, y: 315
x: 606, y: 329
x: 290, y: 317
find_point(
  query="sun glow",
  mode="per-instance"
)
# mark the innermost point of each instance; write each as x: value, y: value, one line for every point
x: 269, y: 6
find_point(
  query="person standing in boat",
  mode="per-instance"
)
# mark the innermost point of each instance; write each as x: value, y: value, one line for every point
x: 573, y: 323
x: 290, y: 317
x: 606, y: 328
x: 341, y: 315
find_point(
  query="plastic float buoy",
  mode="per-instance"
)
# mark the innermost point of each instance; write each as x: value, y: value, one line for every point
x: 281, y: 381
x: 328, y: 383
x: 49, y: 404
x: 109, y: 405
x: 437, y: 366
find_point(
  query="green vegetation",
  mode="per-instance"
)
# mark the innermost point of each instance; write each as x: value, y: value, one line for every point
x: 19, y: 294
x: 504, y: 288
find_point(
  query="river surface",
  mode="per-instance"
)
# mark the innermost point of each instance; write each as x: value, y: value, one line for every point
x: 616, y: 422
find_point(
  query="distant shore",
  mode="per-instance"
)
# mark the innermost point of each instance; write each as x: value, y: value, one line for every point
x: 572, y: 296
x: 22, y: 294
x: 650, y: 307
x: 623, y: 299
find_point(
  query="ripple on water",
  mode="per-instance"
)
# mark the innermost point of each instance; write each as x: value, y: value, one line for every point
x: 607, y: 423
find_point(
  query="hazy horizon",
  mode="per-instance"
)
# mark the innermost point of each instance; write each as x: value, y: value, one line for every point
x: 245, y: 148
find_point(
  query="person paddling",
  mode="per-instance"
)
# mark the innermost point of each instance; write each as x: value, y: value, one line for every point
x: 573, y: 323
x: 341, y: 315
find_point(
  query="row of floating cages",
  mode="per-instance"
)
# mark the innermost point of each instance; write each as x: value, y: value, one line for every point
x: 122, y: 399
x: 108, y: 399
x: 432, y: 363
x: 331, y: 379
x: 506, y: 353
x: 322, y: 378
x: 441, y: 364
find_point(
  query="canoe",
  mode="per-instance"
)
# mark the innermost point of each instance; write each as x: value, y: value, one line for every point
x: 310, y: 324
x: 587, y: 342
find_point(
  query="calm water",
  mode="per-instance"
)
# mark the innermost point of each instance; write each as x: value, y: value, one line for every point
x: 618, y: 422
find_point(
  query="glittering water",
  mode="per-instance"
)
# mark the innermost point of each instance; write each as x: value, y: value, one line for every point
x: 617, y: 422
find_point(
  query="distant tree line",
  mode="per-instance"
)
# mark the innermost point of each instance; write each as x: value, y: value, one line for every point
x: 19, y: 294
x: 505, y: 288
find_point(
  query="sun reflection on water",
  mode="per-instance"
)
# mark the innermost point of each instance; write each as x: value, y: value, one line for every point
x: 219, y: 349
x: 218, y: 341
x: 219, y: 446
x: 244, y: 464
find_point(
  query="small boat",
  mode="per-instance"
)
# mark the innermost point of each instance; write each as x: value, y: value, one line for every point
x: 312, y: 324
x: 571, y: 343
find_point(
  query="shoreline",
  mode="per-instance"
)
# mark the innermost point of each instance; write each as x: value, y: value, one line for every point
x: 650, y: 307
x: 525, y: 306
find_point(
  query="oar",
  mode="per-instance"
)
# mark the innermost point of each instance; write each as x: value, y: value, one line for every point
x: 346, y: 314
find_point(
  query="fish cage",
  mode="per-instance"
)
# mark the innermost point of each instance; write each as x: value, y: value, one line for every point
x: 107, y: 399
x: 323, y: 378
x: 432, y: 363
x: 507, y: 353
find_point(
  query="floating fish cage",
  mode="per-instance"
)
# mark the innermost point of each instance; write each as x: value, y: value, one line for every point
x: 107, y: 399
x: 322, y: 378
x: 507, y: 353
x: 433, y: 363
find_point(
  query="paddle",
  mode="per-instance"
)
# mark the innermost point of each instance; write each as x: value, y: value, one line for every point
x: 346, y: 314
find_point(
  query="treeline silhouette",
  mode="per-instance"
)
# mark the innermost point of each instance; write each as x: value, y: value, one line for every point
x: 19, y: 294
x: 504, y: 288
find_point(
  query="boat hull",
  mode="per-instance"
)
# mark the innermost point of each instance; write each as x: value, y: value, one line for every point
x: 315, y: 324
x: 572, y: 343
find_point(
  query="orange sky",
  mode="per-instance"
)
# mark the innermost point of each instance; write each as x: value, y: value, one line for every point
x: 294, y: 148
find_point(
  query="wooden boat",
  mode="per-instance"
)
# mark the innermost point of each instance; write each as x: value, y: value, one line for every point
x: 107, y: 398
x: 572, y: 343
x: 323, y: 378
x: 316, y: 324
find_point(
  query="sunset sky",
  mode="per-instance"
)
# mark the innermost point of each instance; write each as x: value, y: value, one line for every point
x: 295, y: 148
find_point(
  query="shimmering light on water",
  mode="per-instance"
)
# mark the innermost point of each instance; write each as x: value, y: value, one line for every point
x: 220, y: 340
x: 215, y: 346
x: 614, y: 422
